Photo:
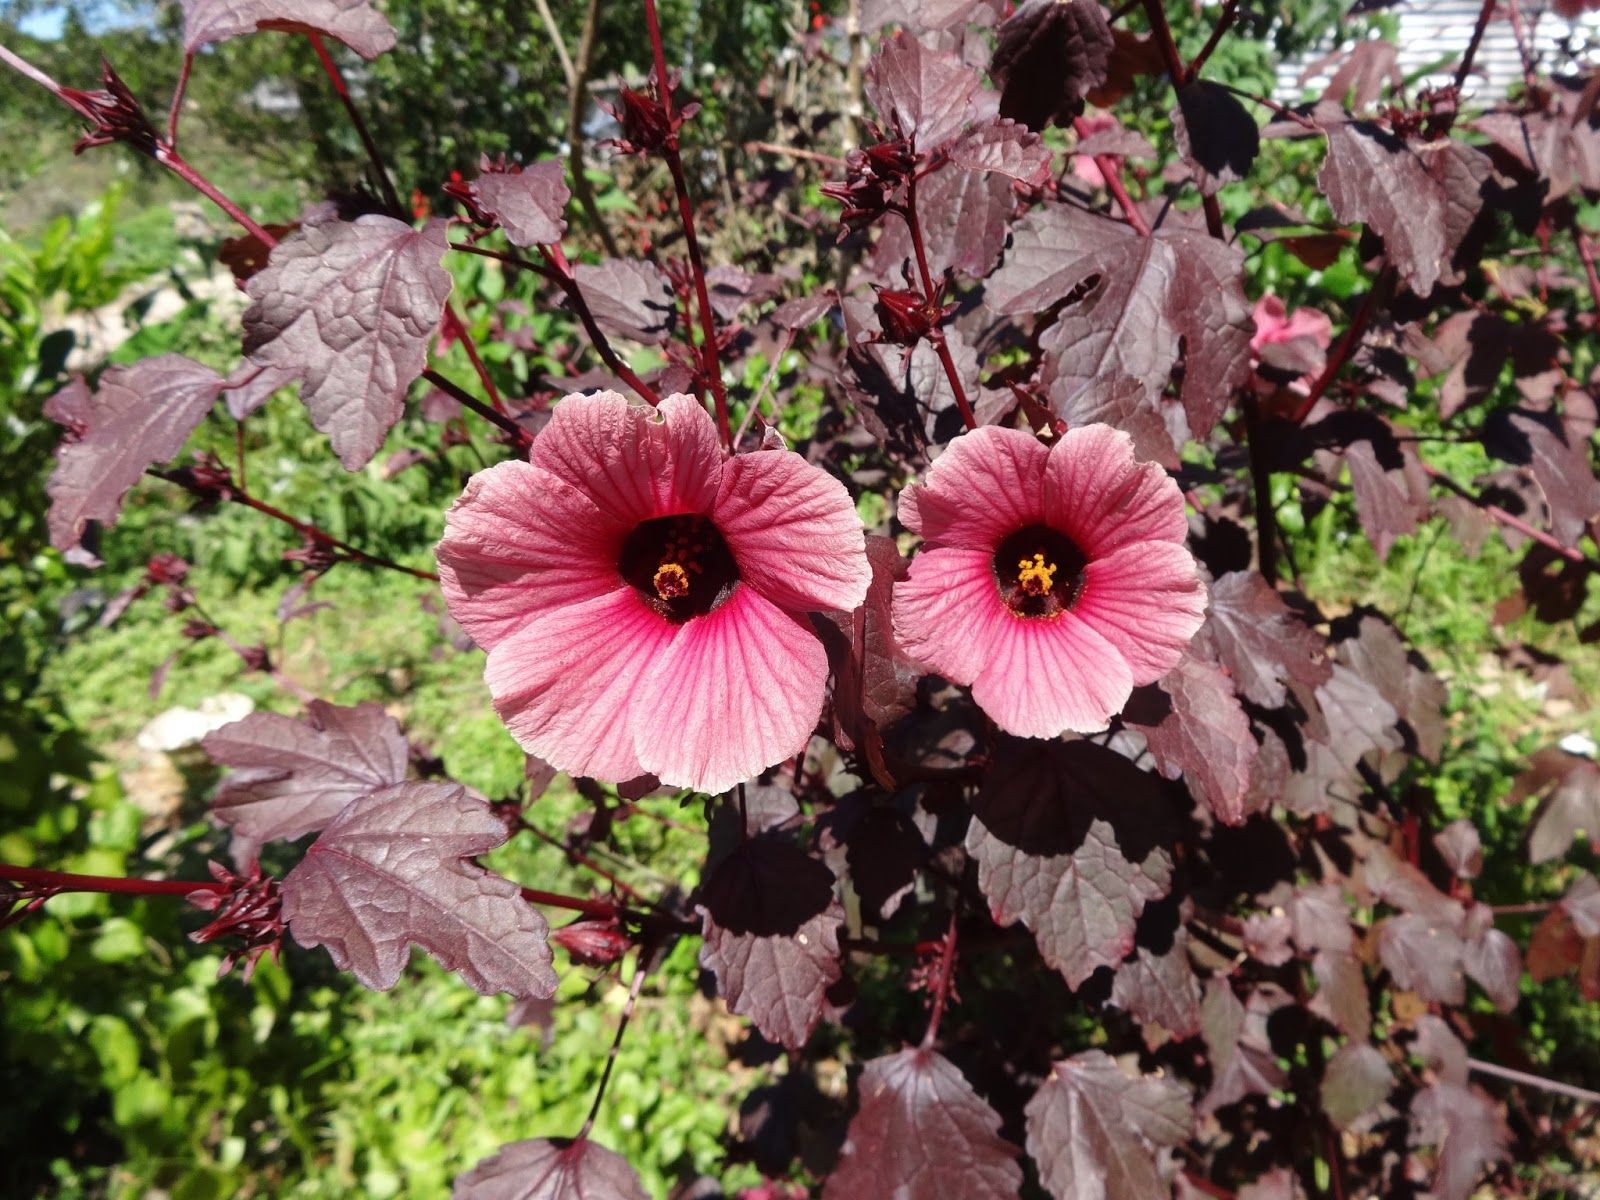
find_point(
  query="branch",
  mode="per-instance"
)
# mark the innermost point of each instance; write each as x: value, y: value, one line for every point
x: 64, y: 881
x: 941, y: 994
x: 1380, y: 292
x: 930, y: 297
x: 454, y: 324
x: 1534, y: 1081
x: 616, y: 1042
x: 336, y: 77
x: 1511, y: 520
x: 711, y: 365
x: 466, y: 399
x: 562, y: 276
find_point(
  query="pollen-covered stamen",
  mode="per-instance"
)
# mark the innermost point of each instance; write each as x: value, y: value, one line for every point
x: 680, y: 565
x: 671, y: 581
x: 1039, y: 571
x: 1035, y: 576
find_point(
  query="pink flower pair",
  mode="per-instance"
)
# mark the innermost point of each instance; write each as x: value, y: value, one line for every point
x: 642, y: 596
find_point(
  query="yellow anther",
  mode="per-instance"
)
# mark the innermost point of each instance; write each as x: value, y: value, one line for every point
x: 671, y: 581
x: 1036, y: 576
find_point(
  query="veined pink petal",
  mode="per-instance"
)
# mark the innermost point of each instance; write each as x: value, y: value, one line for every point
x: 1102, y: 498
x: 1043, y: 678
x: 565, y: 684
x: 947, y: 593
x: 1147, y: 601
x: 739, y: 689
x: 520, y: 542
x: 793, y: 530
x: 634, y: 463
x: 988, y: 483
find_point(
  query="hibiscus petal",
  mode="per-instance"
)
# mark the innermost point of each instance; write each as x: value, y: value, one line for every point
x: 1100, y: 497
x: 947, y: 593
x: 520, y: 542
x: 634, y: 463
x: 988, y: 483
x: 738, y: 690
x: 564, y: 684
x: 1147, y: 601
x: 1044, y: 677
x: 793, y: 530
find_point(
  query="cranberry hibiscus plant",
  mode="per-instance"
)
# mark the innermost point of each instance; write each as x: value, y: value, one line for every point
x: 1060, y: 736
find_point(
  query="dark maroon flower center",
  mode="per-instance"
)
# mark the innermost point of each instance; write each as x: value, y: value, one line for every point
x: 1039, y: 571
x: 680, y: 565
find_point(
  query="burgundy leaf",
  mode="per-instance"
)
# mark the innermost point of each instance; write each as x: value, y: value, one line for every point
x: 1360, y: 717
x: 1356, y: 1080
x: 1342, y: 997
x: 1423, y: 957
x: 529, y: 203
x: 1559, y: 146
x: 884, y: 852
x: 1242, y: 1061
x: 1005, y: 148
x: 917, y: 14
x: 874, y: 679
x: 1260, y: 641
x: 771, y: 928
x: 1320, y: 917
x: 1160, y: 989
x: 1494, y: 961
x: 1277, y: 1184
x: 1564, y: 475
x: 1048, y: 55
x: 1391, y: 497
x: 137, y: 416
x: 1570, y: 786
x: 927, y: 95
x: 1064, y: 834
x: 1126, y: 405
x: 1419, y: 197
x: 291, y: 777
x: 1099, y: 1135
x: 1148, y: 301
x: 1582, y: 905
x: 348, y: 308
x: 922, y: 1133
x: 551, y: 1169
x: 354, y: 22
x: 1467, y: 1128
x: 1378, y: 656
x: 391, y: 871
x: 1216, y: 134
x: 1205, y: 738
x: 1459, y: 846
x: 964, y: 217
x: 629, y: 298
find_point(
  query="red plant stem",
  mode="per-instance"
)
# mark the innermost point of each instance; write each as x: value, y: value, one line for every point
x: 577, y: 858
x: 594, y: 908
x: 1169, y: 48
x: 1534, y: 1081
x: 1111, y: 171
x: 831, y: 160
x: 1382, y: 287
x: 177, y: 99
x: 1510, y: 520
x: 1485, y: 11
x: 561, y: 274
x: 616, y: 1042
x: 710, y: 362
x: 931, y: 298
x: 1335, y: 1160
x: 519, y: 436
x: 1230, y: 9
x: 1256, y: 435
x: 336, y: 77
x: 941, y: 994
x: 454, y: 323
x: 1532, y: 908
x: 1272, y: 106
x: 305, y: 528
x: 64, y: 881
x: 1586, y: 253
x: 511, y: 260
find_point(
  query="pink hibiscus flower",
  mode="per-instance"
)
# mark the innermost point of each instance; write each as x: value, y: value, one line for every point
x: 641, y: 595
x: 1052, y: 579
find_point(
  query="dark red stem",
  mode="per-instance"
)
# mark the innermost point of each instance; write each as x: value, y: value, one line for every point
x: 1230, y: 9
x: 1485, y: 11
x: 941, y: 993
x: 177, y: 100
x: 336, y: 77
x: 64, y: 881
x: 560, y: 272
x: 454, y: 324
x: 519, y: 436
x: 711, y: 365
x: 1382, y: 288
x: 931, y: 297
x: 616, y: 1042
x: 1510, y: 520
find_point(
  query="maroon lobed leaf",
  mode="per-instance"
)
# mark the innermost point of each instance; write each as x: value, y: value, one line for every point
x: 1065, y: 837
x: 391, y: 871
x: 1264, y: 645
x: 1570, y: 787
x: 629, y: 298
x: 1242, y: 1061
x: 137, y: 416
x: 1204, y: 737
x: 354, y: 22
x: 1096, y: 1134
x: 1391, y: 492
x: 292, y: 777
x: 1149, y: 301
x: 964, y: 216
x: 551, y: 1169
x: 1160, y: 990
x: 1342, y: 997
x: 1468, y: 1130
x: 1582, y: 905
x: 1419, y: 197
x: 1356, y: 1080
x: 1005, y: 148
x: 771, y: 927
x: 1048, y: 55
x: 922, y: 1133
x: 1565, y: 476
x: 348, y: 307
x: 529, y: 203
x: 927, y: 95
x: 1216, y: 134
x: 1458, y: 844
